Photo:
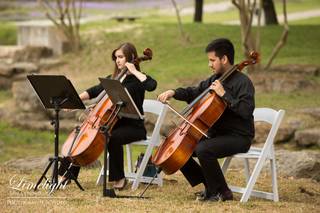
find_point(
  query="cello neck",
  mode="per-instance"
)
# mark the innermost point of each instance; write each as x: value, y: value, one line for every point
x: 225, y: 75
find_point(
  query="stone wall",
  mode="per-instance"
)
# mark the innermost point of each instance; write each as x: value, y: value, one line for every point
x: 42, y: 34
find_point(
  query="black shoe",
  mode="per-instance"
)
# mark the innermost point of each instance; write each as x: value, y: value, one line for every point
x: 209, y: 198
x: 123, y: 186
x: 201, y: 193
x: 226, y: 195
x: 65, y: 181
x: 205, y: 195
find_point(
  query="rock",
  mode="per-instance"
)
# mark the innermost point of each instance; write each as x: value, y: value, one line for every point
x: 15, y: 72
x: 25, y: 53
x: 308, y: 137
x: 297, y: 69
x: 279, y: 82
x: 149, y: 122
x: 261, y: 132
x: 285, y: 132
x: 8, y: 51
x: 49, y: 63
x: 22, y: 69
x: 314, y: 112
x: 5, y: 83
x: 28, y: 164
x: 25, y: 98
x: 6, y: 70
x: 32, y: 53
x: 299, y: 164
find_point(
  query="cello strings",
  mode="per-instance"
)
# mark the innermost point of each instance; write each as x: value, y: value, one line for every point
x: 186, y: 120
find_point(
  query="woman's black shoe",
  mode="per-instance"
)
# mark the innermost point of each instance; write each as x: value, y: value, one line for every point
x: 66, y: 181
x: 123, y: 186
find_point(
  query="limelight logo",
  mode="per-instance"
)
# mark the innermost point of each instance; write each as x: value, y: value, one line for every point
x: 22, y: 185
x: 22, y: 192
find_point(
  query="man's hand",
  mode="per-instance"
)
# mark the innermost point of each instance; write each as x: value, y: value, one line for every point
x: 218, y: 88
x: 163, y: 97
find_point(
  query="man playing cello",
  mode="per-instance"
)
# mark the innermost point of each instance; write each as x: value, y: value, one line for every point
x: 234, y: 130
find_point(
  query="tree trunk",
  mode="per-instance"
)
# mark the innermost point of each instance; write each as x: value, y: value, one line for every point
x: 270, y: 14
x: 198, y: 11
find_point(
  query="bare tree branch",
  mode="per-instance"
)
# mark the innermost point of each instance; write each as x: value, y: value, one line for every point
x: 258, y: 32
x: 66, y: 18
x: 249, y: 26
x: 283, y: 39
x: 235, y: 3
x: 184, y: 36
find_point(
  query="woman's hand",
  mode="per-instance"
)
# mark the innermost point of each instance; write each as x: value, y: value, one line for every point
x: 132, y: 69
x: 83, y: 96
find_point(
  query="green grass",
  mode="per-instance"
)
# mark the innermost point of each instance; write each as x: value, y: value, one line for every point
x: 290, y: 101
x: 175, y: 58
x: 8, y: 34
x: 179, y: 63
x: 5, y: 95
x: 233, y: 14
x: 297, y: 5
x: 21, y: 143
x: 309, y: 21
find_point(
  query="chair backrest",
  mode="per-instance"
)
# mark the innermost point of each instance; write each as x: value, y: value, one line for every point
x: 159, y: 109
x: 272, y: 117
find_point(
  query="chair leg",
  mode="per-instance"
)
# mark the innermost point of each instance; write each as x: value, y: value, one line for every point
x: 226, y: 164
x: 247, y: 169
x: 274, y: 180
x: 129, y: 157
x: 254, y: 176
x: 99, y: 179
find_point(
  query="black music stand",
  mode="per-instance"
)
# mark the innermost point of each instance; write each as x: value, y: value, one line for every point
x: 124, y: 107
x: 55, y: 92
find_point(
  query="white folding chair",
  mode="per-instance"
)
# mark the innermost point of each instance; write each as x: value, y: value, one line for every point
x: 261, y: 155
x: 156, y: 108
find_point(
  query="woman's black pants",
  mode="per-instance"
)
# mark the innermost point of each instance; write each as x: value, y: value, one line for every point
x: 120, y: 135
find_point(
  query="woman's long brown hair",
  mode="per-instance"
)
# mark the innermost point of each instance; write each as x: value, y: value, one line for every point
x: 129, y: 51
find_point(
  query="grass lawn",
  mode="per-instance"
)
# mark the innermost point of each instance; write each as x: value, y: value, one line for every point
x: 175, y: 196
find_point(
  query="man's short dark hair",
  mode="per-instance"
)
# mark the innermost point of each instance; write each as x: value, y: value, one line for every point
x: 221, y: 47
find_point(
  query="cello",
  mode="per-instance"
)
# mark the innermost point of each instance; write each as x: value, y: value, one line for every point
x: 198, y: 117
x: 86, y: 142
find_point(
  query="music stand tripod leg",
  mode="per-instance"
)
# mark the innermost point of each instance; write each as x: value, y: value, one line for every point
x: 43, y: 174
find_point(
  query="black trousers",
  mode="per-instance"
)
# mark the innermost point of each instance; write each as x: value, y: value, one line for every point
x: 120, y: 135
x: 208, y: 151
